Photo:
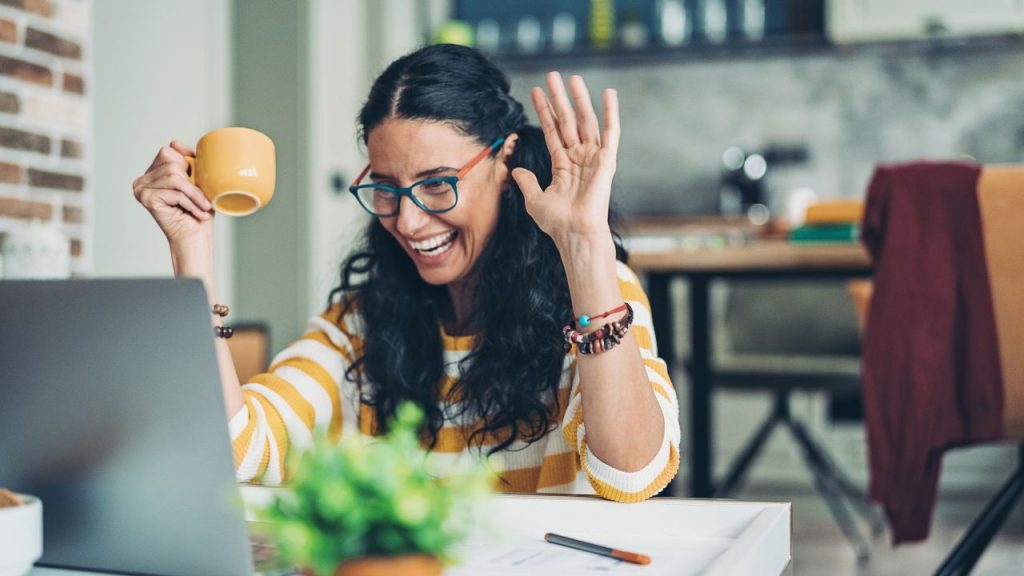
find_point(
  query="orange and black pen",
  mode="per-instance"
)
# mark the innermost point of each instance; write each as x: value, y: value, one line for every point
x: 597, y: 549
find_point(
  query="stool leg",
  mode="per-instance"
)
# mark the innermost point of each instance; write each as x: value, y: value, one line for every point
x: 738, y: 471
x: 854, y: 495
x: 830, y: 491
x: 977, y: 538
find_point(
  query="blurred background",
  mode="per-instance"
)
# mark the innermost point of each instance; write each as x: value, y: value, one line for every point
x: 725, y: 104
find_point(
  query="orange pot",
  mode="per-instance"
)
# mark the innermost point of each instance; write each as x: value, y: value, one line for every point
x: 408, y: 565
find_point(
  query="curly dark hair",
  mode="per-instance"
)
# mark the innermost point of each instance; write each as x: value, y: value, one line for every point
x: 521, y: 297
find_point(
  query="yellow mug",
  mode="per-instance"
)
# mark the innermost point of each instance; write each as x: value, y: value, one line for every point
x: 235, y: 169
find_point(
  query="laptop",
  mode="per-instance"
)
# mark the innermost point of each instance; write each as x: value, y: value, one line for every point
x: 111, y: 413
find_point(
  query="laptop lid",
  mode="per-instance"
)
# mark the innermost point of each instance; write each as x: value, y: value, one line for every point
x: 111, y: 413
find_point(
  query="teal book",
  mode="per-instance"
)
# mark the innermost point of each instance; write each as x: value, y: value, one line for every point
x: 827, y: 233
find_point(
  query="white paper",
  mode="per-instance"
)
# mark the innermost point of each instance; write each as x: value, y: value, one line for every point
x: 539, y: 558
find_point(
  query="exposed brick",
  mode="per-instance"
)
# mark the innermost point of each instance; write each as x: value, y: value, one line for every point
x: 41, y: 7
x: 26, y: 209
x: 74, y: 83
x: 52, y: 43
x: 47, y: 179
x: 70, y: 149
x: 73, y: 215
x: 9, y: 102
x: 76, y: 247
x: 53, y: 108
x: 21, y: 140
x: 73, y: 15
x: 8, y: 31
x: 26, y: 71
x: 10, y: 173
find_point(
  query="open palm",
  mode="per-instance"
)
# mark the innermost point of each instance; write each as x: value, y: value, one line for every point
x: 582, y: 161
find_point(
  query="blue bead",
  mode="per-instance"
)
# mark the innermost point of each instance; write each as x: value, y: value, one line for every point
x: 584, y: 320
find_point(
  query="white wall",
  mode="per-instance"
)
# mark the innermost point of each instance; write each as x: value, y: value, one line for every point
x: 340, y: 75
x: 162, y: 71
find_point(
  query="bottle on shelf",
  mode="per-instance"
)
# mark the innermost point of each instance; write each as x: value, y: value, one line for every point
x: 632, y: 31
x: 752, y: 13
x: 602, y: 23
x: 488, y: 35
x: 715, y: 15
x: 563, y: 32
x: 529, y: 37
x: 673, y: 23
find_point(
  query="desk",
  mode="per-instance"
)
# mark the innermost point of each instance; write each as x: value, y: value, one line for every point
x: 683, y: 537
x: 768, y: 259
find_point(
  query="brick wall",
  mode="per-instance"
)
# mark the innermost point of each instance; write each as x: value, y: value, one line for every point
x: 45, y: 125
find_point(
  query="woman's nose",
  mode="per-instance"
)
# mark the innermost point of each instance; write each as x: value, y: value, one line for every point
x: 410, y: 218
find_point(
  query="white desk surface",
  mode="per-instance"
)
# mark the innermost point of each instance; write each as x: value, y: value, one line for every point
x: 682, y: 536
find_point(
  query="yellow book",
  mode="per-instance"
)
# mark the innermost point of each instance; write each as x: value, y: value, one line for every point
x: 834, y: 212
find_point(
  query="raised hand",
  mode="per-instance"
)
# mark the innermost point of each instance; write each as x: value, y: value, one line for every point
x: 179, y: 207
x: 583, y: 157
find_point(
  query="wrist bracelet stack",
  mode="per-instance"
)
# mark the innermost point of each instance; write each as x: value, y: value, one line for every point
x: 222, y: 331
x: 604, y: 338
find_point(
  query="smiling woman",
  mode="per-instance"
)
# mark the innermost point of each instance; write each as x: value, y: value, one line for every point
x: 490, y: 237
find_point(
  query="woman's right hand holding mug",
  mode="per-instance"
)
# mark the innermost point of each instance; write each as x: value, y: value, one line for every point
x: 179, y: 207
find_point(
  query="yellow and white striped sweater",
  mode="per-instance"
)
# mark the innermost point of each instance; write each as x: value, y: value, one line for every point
x: 305, y: 392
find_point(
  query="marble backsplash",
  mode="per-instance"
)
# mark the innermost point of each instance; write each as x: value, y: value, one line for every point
x: 851, y: 107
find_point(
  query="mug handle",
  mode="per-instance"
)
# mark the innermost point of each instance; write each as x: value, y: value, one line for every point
x: 191, y: 160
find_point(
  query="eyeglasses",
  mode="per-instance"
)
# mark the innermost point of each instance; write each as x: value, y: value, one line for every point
x: 433, y: 195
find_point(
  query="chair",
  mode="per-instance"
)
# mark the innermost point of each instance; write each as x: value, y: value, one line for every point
x: 753, y: 354
x: 958, y: 227
x: 250, y: 350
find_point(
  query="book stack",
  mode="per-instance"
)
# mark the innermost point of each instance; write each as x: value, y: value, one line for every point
x: 832, y: 221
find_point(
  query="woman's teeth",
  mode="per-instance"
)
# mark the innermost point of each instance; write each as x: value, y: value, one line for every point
x: 436, y: 245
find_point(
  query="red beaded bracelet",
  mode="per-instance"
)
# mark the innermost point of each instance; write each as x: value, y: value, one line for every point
x: 604, y: 338
x: 584, y: 320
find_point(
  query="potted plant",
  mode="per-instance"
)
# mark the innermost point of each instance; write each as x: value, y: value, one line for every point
x: 370, y: 506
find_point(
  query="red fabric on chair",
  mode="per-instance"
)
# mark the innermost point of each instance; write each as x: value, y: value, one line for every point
x: 931, y: 368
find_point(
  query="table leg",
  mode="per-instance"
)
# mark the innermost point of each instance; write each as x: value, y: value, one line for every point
x: 700, y: 388
x: 661, y: 315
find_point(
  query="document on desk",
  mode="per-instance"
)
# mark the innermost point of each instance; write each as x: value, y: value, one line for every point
x: 682, y: 537
x: 539, y: 558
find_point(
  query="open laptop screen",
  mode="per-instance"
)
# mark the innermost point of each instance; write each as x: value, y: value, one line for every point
x: 111, y: 413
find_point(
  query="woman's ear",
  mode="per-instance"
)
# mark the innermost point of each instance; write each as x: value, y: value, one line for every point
x: 508, y: 147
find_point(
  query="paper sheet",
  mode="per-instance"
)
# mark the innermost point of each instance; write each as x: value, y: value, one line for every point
x: 540, y: 558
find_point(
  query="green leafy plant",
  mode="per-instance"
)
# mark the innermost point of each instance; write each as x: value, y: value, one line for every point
x: 373, y: 497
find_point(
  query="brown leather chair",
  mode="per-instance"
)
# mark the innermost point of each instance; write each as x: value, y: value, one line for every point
x: 1001, y: 200
x: 969, y: 251
x: 250, y: 350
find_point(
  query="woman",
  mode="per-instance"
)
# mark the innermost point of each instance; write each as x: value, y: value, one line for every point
x: 488, y: 291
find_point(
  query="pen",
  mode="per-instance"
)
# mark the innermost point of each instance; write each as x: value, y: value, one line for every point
x: 597, y: 549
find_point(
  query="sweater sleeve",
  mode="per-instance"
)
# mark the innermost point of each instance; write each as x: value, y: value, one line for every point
x: 303, y: 394
x: 607, y: 481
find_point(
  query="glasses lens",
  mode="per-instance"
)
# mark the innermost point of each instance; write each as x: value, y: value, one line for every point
x: 380, y: 201
x: 436, y: 194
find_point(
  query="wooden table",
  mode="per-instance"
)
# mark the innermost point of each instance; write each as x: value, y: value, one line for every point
x: 761, y: 259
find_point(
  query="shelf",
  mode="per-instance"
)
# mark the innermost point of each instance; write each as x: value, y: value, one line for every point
x: 617, y: 57
x: 703, y: 51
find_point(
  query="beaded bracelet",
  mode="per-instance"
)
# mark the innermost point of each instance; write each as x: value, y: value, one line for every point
x: 584, y: 320
x: 604, y: 338
x: 222, y: 331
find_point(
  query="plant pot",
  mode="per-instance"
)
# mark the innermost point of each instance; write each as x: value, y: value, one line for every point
x: 407, y: 565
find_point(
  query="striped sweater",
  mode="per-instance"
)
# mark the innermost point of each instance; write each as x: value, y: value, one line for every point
x: 306, y: 392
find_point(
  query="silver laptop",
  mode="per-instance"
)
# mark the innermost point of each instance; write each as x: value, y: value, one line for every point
x: 111, y: 412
